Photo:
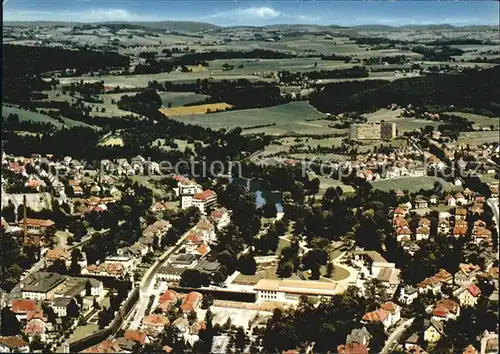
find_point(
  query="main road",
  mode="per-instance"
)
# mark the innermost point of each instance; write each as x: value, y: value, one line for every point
x: 395, y: 336
x: 493, y: 203
x: 146, y: 288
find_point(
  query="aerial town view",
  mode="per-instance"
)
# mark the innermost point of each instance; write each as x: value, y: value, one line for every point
x: 250, y: 177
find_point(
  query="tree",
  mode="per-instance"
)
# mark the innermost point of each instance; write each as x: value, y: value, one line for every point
x: 247, y: 264
x: 241, y: 340
x: 59, y: 266
x: 269, y: 210
x: 9, y: 212
x: 72, y: 309
x: 329, y: 269
x: 193, y: 278
x: 285, y: 270
x: 10, y: 325
x: 375, y: 291
x: 192, y: 317
x: 208, y: 300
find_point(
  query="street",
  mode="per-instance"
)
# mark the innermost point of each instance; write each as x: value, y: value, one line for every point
x: 396, y: 335
x: 146, y: 285
x: 493, y: 203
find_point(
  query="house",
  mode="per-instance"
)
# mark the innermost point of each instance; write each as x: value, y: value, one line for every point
x: 169, y: 273
x: 155, y: 322
x: 204, y: 200
x: 196, y: 327
x: 57, y: 253
x: 60, y: 306
x: 422, y: 233
x: 106, y: 346
x: 433, y: 331
x: 157, y: 230
x: 13, y: 344
x: 158, y: 207
x: 408, y: 294
x: 411, y: 341
x: 470, y: 349
x: 444, y: 276
x: 466, y: 274
x: 450, y: 200
x: 181, y: 324
x: 481, y: 235
x: 207, y: 230
x: 352, y: 348
x: 21, y: 307
x: 421, y: 202
x: 378, y: 316
x: 35, y: 328
x: 167, y: 300
x: 424, y: 222
x: 403, y: 234
x: 393, y: 309
x: 360, y: 336
x: 469, y: 296
x: 459, y: 231
x: 460, y: 199
x: 399, y: 212
x: 443, y: 227
x: 415, y: 349
x: 460, y: 214
x: 446, y: 309
x: 37, y: 226
x: 489, y: 343
x: 191, y: 302
x: 96, y: 287
x: 221, y: 217
x: 434, y: 200
x: 139, y: 337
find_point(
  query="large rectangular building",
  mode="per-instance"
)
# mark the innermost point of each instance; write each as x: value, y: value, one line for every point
x: 289, y: 291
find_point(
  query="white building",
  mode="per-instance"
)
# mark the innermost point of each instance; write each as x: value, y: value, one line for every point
x: 204, y: 200
x: 289, y: 291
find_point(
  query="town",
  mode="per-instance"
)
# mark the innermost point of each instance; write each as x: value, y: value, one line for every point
x: 183, y: 186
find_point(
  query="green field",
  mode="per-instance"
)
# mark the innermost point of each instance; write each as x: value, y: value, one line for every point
x: 412, y: 184
x: 37, y: 117
x: 479, y: 120
x: 288, y: 117
x: 478, y: 138
x: 179, y: 99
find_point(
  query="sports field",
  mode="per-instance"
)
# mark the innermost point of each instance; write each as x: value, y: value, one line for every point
x: 412, y: 184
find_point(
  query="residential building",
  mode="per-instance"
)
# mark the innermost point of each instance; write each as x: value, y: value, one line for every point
x: 205, y: 200
x: 408, y: 294
x: 221, y: 217
x: 168, y: 274
x: 360, y: 336
x: 421, y: 202
x: 378, y: 316
x: 470, y: 349
x: 35, y: 328
x: 21, y: 308
x: 433, y: 331
x: 489, y: 343
x: 388, y: 130
x: 445, y: 310
x: 422, y: 233
x: 60, y: 306
x: 393, y: 309
x: 466, y: 274
x: 155, y: 322
x: 352, y: 348
x: 57, y: 253
x: 135, y: 336
x: 289, y: 291
x: 450, y: 200
x: 191, y: 302
x: 469, y: 296
x: 13, y: 344
x: 379, y: 268
x: 460, y: 214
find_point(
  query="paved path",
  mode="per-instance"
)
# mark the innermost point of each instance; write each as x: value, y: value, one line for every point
x: 395, y: 336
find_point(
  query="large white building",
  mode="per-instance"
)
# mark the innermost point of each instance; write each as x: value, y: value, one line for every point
x: 289, y: 291
x: 204, y: 200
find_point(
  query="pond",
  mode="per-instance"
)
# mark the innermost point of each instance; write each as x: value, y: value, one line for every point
x: 262, y: 195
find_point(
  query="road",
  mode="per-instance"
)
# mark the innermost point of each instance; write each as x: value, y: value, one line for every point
x: 493, y: 203
x: 146, y: 285
x: 395, y: 336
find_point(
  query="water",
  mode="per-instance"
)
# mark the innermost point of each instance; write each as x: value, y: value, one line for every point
x: 262, y: 196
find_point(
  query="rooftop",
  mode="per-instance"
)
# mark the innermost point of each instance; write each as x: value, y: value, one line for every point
x: 297, y: 286
x: 41, y: 282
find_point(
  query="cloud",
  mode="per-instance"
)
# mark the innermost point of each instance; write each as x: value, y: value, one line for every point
x: 247, y: 13
x: 91, y: 15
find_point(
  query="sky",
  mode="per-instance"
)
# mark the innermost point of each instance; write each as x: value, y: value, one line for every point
x: 258, y: 13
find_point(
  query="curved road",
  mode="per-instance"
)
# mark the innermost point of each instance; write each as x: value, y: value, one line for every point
x: 395, y: 336
x: 493, y: 203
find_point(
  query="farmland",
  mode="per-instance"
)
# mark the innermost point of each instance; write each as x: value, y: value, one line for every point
x: 478, y: 138
x: 412, y: 184
x: 195, y: 110
x: 37, y: 117
x: 479, y: 120
x: 288, y: 117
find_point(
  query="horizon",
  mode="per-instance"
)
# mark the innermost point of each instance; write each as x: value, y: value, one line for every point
x: 258, y: 13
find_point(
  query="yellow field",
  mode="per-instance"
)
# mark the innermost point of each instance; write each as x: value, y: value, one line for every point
x: 113, y: 141
x: 199, y: 109
x: 196, y: 68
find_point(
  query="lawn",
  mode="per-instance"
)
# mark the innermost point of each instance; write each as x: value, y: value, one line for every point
x: 288, y: 117
x: 195, y: 110
x: 412, y: 184
x: 269, y: 272
x: 112, y: 140
x: 83, y: 331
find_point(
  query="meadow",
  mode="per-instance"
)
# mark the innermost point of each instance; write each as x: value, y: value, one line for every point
x: 177, y: 99
x: 37, y: 117
x: 478, y: 138
x: 482, y: 121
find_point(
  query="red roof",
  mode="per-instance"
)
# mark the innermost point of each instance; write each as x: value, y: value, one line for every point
x: 13, y: 342
x: 204, y: 195
x: 352, y: 348
x: 474, y: 290
x: 390, y: 307
x: 35, y: 327
x: 191, y: 301
x: 136, y: 336
x: 379, y: 315
x: 168, y: 295
x: 23, y: 305
x: 39, y: 222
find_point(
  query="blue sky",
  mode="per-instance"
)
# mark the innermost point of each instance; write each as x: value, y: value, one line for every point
x: 243, y: 12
